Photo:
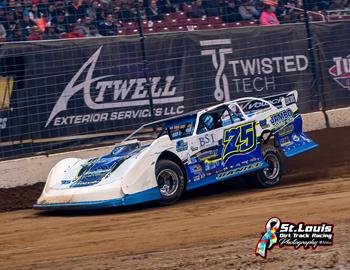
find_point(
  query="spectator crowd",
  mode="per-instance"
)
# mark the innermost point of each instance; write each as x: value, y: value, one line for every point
x: 22, y: 20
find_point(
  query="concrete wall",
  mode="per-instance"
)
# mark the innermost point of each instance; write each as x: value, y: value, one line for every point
x: 27, y: 171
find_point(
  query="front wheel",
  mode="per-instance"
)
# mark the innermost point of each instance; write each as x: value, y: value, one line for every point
x: 171, y: 181
x: 271, y: 175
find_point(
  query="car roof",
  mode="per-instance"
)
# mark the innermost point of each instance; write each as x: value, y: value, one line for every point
x: 187, y: 115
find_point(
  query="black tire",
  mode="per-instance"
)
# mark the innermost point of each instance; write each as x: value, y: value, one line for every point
x: 270, y: 176
x: 171, y: 181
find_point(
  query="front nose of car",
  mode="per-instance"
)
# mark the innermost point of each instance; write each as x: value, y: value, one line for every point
x: 84, y: 194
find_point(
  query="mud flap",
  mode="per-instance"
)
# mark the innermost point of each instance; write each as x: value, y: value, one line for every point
x: 291, y: 139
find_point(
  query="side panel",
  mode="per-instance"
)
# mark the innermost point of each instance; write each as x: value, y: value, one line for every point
x: 232, y: 151
x: 291, y: 139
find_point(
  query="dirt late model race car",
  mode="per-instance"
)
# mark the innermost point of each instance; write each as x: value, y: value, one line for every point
x: 161, y: 160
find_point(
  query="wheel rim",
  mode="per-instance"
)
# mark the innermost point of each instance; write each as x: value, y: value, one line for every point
x: 273, y: 170
x: 168, y: 182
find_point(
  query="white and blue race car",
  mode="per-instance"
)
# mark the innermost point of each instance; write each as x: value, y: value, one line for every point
x: 161, y: 160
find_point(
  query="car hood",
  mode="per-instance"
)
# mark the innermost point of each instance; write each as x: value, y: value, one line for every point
x: 94, y: 170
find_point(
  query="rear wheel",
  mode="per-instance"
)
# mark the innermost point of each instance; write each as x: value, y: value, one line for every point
x: 271, y: 175
x: 171, y: 181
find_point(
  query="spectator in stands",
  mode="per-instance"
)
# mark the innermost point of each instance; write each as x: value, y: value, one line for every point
x: 248, y: 11
x: 288, y: 15
x: 197, y: 10
x: 52, y: 11
x: 17, y: 34
x: 59, y: 6
x: 11, y: 5
x: 268, y: 17
x: 43, y: 6
x: 3, y: 3
x: 27, y: 23
x: 19, y: 11
x: 76, y: 11
x: 26, y: 4
x: 3, y: 33
x: 165, y: 6
x: 2, y: 14
x: 126, y: 13
x: 212, y: 8
x: 153, y: 12
x: 337, y: 5
x: 108, y: 27
x: 75, y: 32
x: 50, y: 32
x: 34, y: 13
x: 93, y: 32
x: 11, y: 22
x: 87, y: 22
x: 61, y: 22
x: 41, y: 22
x: 230, y: 12
x: 94, y: 11
x: 35, y: 33
x: 3, y: 20
x: 106, y: 4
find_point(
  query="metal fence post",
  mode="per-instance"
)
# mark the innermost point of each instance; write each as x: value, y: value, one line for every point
x: 311, y: 50
x: 144, y: 59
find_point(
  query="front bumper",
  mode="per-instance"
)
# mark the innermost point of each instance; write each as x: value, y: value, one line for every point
x: 151, y: 194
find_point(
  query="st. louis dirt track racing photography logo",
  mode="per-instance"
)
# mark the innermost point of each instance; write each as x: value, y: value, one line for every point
x: 287, y: 234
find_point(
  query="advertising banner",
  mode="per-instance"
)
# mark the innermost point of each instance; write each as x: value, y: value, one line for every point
x: 334, y: 61
x: 73, y: 92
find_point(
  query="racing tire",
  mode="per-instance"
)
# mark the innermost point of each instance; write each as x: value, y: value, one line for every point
x: 171, y: 181
x: 271, y: 175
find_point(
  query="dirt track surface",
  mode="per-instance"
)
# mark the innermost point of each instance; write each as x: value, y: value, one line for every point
x: 215, y: 228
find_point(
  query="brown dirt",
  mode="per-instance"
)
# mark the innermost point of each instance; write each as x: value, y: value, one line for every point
x: 19, y: 197
x: 214, y: 228
x: 210, y: 230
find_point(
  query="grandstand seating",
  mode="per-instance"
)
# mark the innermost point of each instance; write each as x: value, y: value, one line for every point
x: 179, y: 22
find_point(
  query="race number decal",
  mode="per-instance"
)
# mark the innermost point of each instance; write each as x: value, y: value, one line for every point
x: 239, y: 140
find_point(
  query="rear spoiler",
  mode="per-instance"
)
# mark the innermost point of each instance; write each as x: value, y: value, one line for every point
x: 279, y: 100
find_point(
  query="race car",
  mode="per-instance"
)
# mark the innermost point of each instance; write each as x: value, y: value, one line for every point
x: 163, y: 159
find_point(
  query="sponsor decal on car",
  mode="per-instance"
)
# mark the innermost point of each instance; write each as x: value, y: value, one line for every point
x: 206, y: 140
x: 287, y: 234
x: 295, y: 138
x: 284, y: 141
x: 181, y: 146
x: 282, y: 118
x: 286, y: 130
x: 239, y: 140
x: 239, y: 170
x: 194, y: 148
x: 264, y: 124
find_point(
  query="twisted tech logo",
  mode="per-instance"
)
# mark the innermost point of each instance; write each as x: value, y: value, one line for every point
x: 221, y: 92
x: 245, y: 73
